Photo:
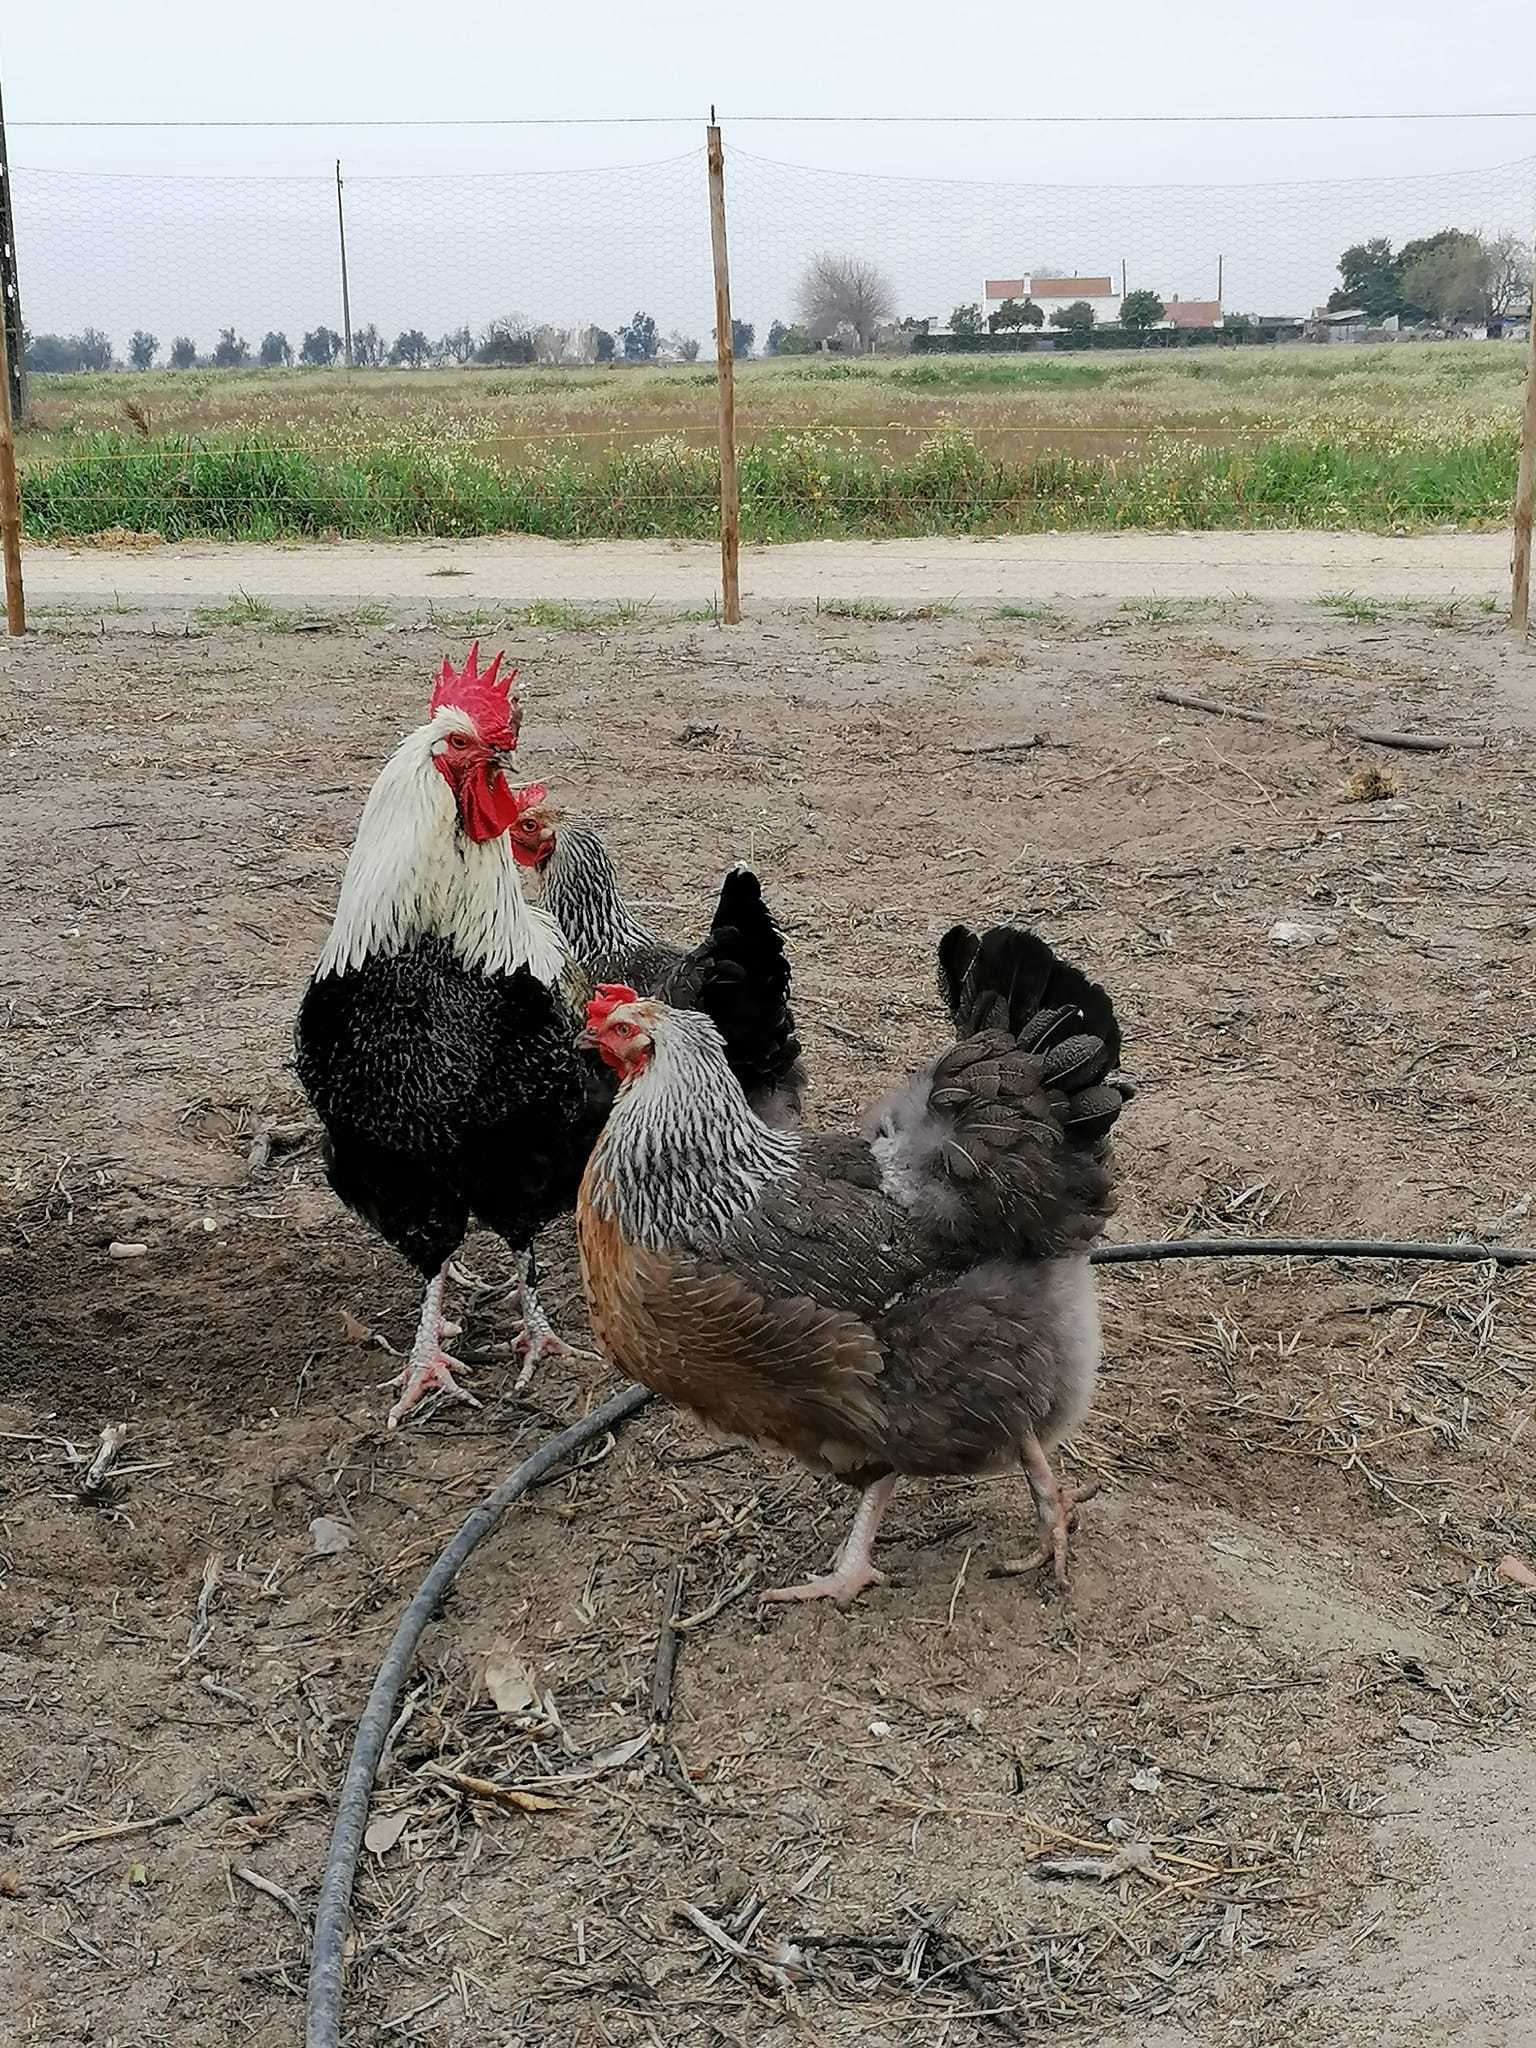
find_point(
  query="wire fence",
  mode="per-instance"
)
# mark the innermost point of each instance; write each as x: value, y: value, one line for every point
x: 533, y: 350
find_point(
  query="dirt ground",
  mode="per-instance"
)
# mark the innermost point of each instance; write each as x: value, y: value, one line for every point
x: 1265, y: 1776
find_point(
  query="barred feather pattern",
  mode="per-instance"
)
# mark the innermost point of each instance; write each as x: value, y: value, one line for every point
x: 739, y: 975
x: 918, y: 1300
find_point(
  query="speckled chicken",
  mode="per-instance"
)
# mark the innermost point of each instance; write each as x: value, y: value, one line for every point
x: 917, y: 1300
x: 437, y: 1037
x: 738, y: 974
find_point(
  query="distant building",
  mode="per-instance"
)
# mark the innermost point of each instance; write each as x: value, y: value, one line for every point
x: 1051, y: 294
x: 1179, y: 312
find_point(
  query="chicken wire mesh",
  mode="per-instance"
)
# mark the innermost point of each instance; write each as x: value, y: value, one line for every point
x: 532, y: 351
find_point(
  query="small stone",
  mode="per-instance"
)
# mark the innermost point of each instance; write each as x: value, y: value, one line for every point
x: 118, y: 1250
x: 1418, y: 1729
x: 328, y: 1537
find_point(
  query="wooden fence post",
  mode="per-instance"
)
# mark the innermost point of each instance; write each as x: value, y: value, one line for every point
x: 1525, y: 490
x: 10, y: 496
x: 725, y: 356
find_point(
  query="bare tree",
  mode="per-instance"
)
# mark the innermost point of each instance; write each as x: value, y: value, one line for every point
x: 839, y: 293
x: 1509, y: 274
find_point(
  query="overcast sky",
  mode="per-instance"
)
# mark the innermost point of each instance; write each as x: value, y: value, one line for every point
x: 572, y: 246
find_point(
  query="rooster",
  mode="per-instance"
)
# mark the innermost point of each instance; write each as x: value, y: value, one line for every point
x: 739, y: 974
x: 917, y: 1300
x: 437, y: 1038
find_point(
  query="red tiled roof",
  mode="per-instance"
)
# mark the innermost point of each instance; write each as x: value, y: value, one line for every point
x: 1193, y: 312
x: 1007, y: 288
x: 1072, y: 287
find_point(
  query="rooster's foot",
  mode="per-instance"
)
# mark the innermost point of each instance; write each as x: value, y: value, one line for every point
x: 434, y: 1375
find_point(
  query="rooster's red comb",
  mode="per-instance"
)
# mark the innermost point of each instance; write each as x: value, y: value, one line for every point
x: 613, y: 995
x: 485, y: 693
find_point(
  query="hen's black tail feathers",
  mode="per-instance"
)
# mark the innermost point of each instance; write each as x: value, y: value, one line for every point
x: 740, y: 979
x: 1010, y: 980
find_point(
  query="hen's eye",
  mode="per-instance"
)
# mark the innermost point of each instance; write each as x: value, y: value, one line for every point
x: 458, y: 741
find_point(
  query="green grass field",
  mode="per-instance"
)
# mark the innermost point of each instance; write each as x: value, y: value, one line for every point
x: 1387, y: 438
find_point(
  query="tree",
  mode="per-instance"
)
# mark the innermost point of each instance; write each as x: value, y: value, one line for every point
x: 368, y: 348
x: 776, y: 334
x: 844, y: 294
x: 1509, y: 274
x: 141, y: 350
x: 1371, y: 280
x: 743, y: 334
x: 412, y: 347
x: 1445, y: 277
x: 232, y: 351
x: 183, y: 353
x: 966, y: 319
x: 457, y: 346
x: 1015, y: 313
x: 639, y: 340
x: 276, y: 351
x: 45, y: 354
x: 684, y: 347
x: 95, y: 349
x: 603, y: 345
x: 507, y: 340
x: 1141, y: 311
x: 1078, y: 318
x: 320, y: 347
x: 795, y: 341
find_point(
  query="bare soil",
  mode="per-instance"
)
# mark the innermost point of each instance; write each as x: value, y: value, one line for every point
x: 1290, y: 1690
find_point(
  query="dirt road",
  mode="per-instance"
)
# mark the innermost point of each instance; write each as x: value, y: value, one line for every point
x: 1274, y: 568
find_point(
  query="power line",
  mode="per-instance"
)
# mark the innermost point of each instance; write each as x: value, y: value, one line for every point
x: 802, y: 120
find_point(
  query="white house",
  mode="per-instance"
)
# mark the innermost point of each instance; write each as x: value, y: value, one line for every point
x: 1052, y: 293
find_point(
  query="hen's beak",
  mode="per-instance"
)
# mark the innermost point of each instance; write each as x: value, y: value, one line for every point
x: 586, y: 1038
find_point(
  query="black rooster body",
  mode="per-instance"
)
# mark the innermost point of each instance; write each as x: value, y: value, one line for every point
x: 437, y: 1038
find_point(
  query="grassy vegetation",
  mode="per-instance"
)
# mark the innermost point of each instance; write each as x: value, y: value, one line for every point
x: 1386, y: 438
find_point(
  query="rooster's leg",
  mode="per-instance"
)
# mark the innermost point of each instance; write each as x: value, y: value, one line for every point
x: 537, y: 1338
x: 431, y: 1370
x: 854, y: 1567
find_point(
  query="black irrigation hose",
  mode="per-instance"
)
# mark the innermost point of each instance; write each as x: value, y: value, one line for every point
x: 323, y: 2003
x: 1465, y: 1254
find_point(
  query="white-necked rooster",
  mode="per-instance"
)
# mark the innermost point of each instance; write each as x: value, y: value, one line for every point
x: 437, y: 1038
x: 918, y: 1300
x: 738, y: 974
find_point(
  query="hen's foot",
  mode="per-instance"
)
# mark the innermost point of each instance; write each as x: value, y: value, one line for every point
x: 1057, y: 1507
x: 843, y: 1585
x: 854, y: 1569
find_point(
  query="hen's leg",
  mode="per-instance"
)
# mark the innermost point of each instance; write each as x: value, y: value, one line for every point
x: 536, y: 1340
x: 1057, y: 1508
x: 431, y: 1370
x: 854, y: 1567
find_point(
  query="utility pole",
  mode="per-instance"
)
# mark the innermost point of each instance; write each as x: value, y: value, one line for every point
x: 346, y: 297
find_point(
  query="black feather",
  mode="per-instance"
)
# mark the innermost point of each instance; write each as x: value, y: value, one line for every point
x: 446, y: 1091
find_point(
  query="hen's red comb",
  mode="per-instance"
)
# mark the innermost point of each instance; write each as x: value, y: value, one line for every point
x: 530, y: 795
x: 486, y: 694
x: 613, y: 995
